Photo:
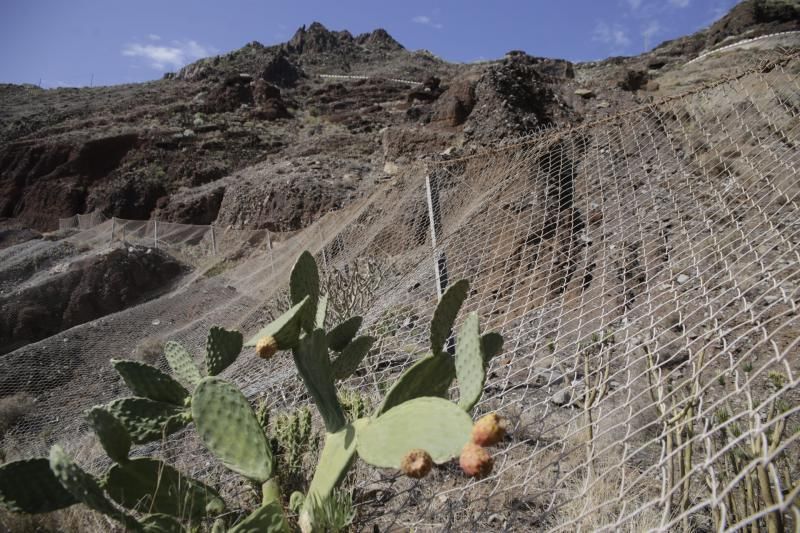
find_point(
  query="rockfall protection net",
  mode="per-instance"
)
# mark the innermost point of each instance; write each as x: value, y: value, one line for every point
x: 644, y: 271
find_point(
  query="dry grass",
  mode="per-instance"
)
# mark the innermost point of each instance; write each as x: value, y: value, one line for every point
x: 14, y: 407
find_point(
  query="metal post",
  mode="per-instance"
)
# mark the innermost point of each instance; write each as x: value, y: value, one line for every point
x: 271, y: 253
x: 213, y: 241
x: 155, y: 233
x: 439, y: 257
x: 324, y: 257
x: 113, y: 223
x: 435, y: 218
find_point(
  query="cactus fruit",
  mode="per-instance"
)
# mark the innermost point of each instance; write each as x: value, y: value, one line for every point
x: 181, y: 362
x: 111, y: 432
x: 30, y: 486
x: 230, y: 430
x: 445, y: 314
x: 150, y: 484
x: 489, y: 430
x: 149, y: 382
x: 436, y: 425
x: 470, y: 368
x: 475, y: 461
x: 222, y: 348
x: 266, y: 347
x: 285, y: 328
x: 417, y: 463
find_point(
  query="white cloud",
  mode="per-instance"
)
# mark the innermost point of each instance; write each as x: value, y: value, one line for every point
x: 427, y: 21
x: 174, y: 56
x: 613, y: 35
x: 634, y: 3
x: 679, y: 3
x: 153, y: 37
x: 650, y: 31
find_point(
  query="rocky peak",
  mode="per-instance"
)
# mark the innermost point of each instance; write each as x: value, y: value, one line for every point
x: 379, y: 38
x: 317, y: 39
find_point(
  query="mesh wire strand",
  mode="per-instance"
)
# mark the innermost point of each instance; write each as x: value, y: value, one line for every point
x: 675, y: 228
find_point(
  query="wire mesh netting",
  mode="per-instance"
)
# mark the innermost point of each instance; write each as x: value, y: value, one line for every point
x: 644, y: 271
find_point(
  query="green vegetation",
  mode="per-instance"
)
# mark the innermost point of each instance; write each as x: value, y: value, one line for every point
x: 147, y: 494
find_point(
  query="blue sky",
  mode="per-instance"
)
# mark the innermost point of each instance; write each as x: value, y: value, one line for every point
x: 74, y: 42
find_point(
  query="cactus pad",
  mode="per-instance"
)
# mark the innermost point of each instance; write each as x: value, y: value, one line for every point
x: 84, y: 487
x: 266, y: 519
x: 322, y: 312
x: 470, y: 369
x: 314, y: 367
x: 304, y: 281
x: 335, y: 460
x: 146, y: 420
x: 181, y: 362
x: 230, y: 430
x: 285, y: 328
x: 340, y: 336
x: 222, y: 348
x: 347, y: 363
x: 491, y: 345
x: 150, y: 485
x: 435, y: 425
x: 31, y: 487
x: 160, y: 523
x: 149, y: 382
x: 446, y: 312
x: 111, y: 432
x: 430, y: 376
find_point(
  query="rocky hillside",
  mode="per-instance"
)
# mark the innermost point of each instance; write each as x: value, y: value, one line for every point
x: 256, y: 138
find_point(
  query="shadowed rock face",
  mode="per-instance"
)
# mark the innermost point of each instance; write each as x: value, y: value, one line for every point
x: 92, y: 287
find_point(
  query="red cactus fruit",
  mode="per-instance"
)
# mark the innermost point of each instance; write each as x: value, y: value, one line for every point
x: 475, y: 461
x: 489, y: 430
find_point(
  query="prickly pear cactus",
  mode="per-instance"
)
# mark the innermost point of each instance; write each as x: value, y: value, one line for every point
x: 285, y: 328
x: 435, y: 425
x: 85, y: 488
x: 322, y: 312
x: 30, y: 486
x: 314, y: 367
x: 222, y: 349
x: 150, y: 484
x: 335, y: 460
x: 304, y: 281
x: 445, y: 314
x: 229, y: 428
x: 340, y: 336
x: 430, y: 376
x: 149, y: 382
x: 266, y: 519
x: 352, y: 355
x: 181, y: 362
x: 470, y: 367
x: 147, y: 420
x: 111, y: 432
x: 491, y: 345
